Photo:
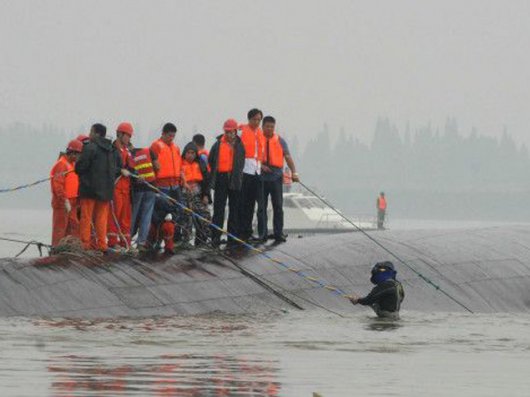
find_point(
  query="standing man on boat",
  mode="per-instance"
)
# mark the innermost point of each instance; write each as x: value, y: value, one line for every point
x: 251, y: 136
x: 381, y: 210
x: 169, y: 178
x: 275, y: 151
x: 143, y: 196
x: 98, y: 167
x: 64, y: 185
x: 119, y: 221
x: 226, y: 159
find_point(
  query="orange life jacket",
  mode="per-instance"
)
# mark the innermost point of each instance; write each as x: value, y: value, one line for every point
x: 225, y: 161
x: 253, y: 142
x: 382, y: 203
x: 192, y: 171
x: 143, y: 164
x: 273, y: 151
x: 169, y: 159
x: 71, y: 180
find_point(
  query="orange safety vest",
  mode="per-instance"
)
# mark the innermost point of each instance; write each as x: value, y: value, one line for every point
x: 192, y: 171
x: 169, y: 159
x: 253, y: 142
x: 273, y: 151
x: 71, y: 180
x: 382, y: 203
x: 225, y: 161
x: 143, y: 164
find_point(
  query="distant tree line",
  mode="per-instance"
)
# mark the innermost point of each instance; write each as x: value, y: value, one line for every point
x: 414, y: 166
x: 424, y: 159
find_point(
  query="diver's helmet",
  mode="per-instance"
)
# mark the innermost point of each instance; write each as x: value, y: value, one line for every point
x: 383, y: 267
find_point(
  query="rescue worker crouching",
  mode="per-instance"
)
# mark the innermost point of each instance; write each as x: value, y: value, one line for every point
x: 388, y: 293
x: 65, y: 186
x: 162, y: 227
x: 197, y: 195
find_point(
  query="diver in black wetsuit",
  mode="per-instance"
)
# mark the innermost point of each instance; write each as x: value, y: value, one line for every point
x: 387, y: 295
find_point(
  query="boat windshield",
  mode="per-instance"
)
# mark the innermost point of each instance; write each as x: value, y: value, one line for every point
x: 311, y: 203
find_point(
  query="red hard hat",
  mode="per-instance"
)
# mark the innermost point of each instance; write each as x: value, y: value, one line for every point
x: 126, y: 128
x: 75, y: 145
x: 82, y: 138
x: 230, y: 125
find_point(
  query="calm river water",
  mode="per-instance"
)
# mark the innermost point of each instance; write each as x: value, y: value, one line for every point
x: 287, y: 354
x: 279, y: 354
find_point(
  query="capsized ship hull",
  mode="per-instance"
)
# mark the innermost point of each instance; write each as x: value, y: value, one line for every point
x: 487, y: 269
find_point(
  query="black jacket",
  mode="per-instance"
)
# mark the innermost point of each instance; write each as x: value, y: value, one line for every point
x: 236, y: 176
x: 98, y: 167
x: 386, y: 297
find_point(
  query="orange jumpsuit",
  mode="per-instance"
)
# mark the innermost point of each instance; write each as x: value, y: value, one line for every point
x: 97, y: 212
x: 119, y: 216
x: 64, y: 185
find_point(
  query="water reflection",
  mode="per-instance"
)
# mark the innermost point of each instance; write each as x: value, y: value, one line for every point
x: 166, y: 375
x: 383, y: 324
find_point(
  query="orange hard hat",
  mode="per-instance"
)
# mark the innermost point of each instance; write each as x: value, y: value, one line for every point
x: 82, y: 138
x: 75, y: 145
x: 230, y: 125
x: 126, y: 128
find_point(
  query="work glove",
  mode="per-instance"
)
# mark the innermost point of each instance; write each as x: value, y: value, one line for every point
x: 125, y: 172
x: 354, y: 298
x: 67, y: 206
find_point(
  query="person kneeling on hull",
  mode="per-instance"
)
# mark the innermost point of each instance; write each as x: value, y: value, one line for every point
x: 387, y: 295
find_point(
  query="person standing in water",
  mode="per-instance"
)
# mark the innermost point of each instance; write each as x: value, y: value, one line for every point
x: 388, y: 293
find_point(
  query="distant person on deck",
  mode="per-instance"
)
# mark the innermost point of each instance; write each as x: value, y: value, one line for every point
x: 65, y: 186
x: 387, y: 295
x: 275, y: 151
x: 98, y: 167
x: 381, y: 210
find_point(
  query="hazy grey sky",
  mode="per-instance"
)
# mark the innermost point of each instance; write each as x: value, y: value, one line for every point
x: 71, y: 63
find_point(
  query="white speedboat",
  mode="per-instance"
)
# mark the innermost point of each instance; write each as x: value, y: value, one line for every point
x: 306, y: 214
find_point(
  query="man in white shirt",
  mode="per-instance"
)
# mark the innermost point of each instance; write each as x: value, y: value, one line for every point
x: 252, y: 138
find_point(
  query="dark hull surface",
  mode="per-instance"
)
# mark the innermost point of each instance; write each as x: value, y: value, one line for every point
x: 486, y: 269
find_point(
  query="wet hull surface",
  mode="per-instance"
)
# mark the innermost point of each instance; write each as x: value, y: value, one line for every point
x: 487, y: 269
